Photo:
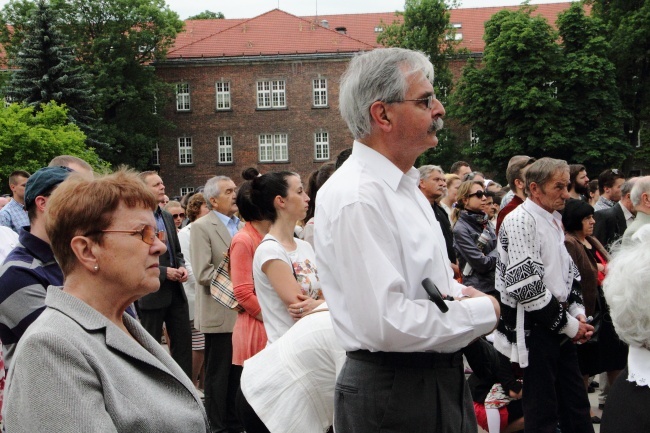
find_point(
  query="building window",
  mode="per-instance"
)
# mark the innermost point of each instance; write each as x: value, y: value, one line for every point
x: 271, y: 94
x: 320, y: 92
x: 186, y: 190
x: 183, y: 97
x: 273, y: 148
x: 223, y: 95
x: 154, y: 105
x: 185, y: 151
x: 225, y: 150
x: 322, y: 146
x: 155, y: 155
x: 8, y: 101
x: 379, y: 29
x: 473, y: 137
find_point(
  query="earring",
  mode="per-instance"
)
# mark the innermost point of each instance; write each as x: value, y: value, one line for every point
x: 96, y: 268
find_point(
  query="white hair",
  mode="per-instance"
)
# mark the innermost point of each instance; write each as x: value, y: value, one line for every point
x: 211, y: 189
x: 626, y: 289
x: 378, y: 75
x: 640, y: 186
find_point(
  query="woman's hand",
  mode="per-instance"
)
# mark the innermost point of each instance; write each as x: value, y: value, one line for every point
x: 303, y: 306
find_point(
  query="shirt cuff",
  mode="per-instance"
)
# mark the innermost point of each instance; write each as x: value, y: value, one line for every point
x: 576, y: 309
x: 572, y: 326
x: 483, y: 315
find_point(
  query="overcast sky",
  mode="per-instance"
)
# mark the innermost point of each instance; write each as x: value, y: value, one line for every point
x: 251, y: 8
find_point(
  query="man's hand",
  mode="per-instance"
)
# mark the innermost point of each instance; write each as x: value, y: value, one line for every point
x: 174, y: 274
x: 470, y: 292
x: 585, y: 330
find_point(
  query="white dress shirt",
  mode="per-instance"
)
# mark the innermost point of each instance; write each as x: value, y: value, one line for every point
x: 376, y: 239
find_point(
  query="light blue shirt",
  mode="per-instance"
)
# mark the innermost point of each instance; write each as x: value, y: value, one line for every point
x: 14, y: 216
x: 232, y: 223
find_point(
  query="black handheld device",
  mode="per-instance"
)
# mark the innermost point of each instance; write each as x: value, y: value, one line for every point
x: 434, y: 294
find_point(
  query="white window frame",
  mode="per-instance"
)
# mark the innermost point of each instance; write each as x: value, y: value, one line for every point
x: 473, y: 137
x: 319, y: 92
x: 271, y: 94
x: 224, y: 149
x: 183, y: 102
x: 273, y: 147
x: 222, y: 92
x: 185, y: 156
x: 155, y: 155
x: 321, y: 146
x: 186, y: 190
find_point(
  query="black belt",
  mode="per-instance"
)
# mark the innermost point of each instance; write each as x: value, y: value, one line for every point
x: 410, y: 359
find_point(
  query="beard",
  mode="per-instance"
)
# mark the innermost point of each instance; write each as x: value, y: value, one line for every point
x: 582, y: 189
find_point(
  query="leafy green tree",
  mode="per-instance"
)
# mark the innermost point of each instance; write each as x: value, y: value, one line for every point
x: 592, y: 112
x: 628, y: 28
x: 207, y: 15
x: 116, y: 41
x: 31, y: 137
x: 46, y: 70
x: 511, y: 101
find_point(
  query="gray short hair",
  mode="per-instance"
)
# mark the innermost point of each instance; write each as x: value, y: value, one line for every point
x: 627, y: 186
x: 625, y: 289
x: 542, y: 170
x: 426, y: 170
x: 211, y: 189
x: 640, y: 186
x: 378, y: 75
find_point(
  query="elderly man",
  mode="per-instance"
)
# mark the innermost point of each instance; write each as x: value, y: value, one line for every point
x: 377, y: 239
x: 30, y: 267
x: 542, y: 308
x: 13, y: 215
x: 640, y: 198
x: 209, y: 241
x: 433, y: 186
x: 169, y: 304
x: 612, y: 222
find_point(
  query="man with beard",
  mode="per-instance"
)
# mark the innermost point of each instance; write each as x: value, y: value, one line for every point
x: 579, y: 182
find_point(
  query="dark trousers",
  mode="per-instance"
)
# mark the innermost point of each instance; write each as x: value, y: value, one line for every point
x: 372, y: 397
x: 176, y: 317
x: 553, y: 387
x: 221, y: 383
x: 252, y: 423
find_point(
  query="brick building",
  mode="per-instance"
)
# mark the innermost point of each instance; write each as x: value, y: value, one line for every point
x: 264, y: 91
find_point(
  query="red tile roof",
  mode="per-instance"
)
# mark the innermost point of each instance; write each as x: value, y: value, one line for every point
x: 273, y: 33
x: 278, y: 32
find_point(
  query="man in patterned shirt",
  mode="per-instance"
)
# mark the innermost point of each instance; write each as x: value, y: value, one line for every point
x: 13, y: 215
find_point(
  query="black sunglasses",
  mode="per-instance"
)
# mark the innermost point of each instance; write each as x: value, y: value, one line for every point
x: 176, y: 215
x: 478, y: 194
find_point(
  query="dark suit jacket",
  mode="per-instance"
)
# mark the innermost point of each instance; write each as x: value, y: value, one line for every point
x: 610, y: 225
x: 445, y: 225
x: 163, y: 297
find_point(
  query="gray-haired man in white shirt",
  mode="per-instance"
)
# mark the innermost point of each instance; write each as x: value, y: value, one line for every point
x: 376, y: 240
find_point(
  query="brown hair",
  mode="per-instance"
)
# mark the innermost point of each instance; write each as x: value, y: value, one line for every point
x: 463, y: 191
x: 91, y: 210
x: 194, y: 206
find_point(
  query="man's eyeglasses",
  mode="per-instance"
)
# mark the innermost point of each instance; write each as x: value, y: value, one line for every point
x: 429, y: 101
x: 478, y: 194
x: 176, y: 215
x: 147, y: 233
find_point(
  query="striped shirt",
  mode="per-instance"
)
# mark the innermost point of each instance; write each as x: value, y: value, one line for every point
x: 24, y: 277
x: 14, y: 216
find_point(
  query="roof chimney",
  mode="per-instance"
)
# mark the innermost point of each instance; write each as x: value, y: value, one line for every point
x: 325, y: 24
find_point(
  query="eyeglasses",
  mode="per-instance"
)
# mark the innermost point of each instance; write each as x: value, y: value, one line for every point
x: 147, y: 233
x: 176, y: 215
x: 614, y: 171
x: 478, y: 194
x: 429, y: 100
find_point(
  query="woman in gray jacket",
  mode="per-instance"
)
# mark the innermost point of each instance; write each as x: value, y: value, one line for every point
x: 474, y: 239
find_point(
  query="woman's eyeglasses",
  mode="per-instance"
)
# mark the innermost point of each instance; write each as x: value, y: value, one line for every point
x: 147, y: 233
x: 177, y: 215
x: 478, y: 194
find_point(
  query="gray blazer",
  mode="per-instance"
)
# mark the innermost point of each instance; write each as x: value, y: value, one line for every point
x: 75, y: 371
x: 209, y: 240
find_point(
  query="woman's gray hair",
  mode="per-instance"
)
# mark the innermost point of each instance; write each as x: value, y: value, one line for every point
x: 626, y: 289
x: 378, y: 75
x: 542, y: 170
x: 211, y: 189
x: 425, y: 170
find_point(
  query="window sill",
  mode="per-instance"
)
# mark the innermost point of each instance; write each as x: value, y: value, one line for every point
x: 320, y: 107
x: 185, y: 165
x: 223, y: 110
x: 271, y: 108
x: 273, y: 162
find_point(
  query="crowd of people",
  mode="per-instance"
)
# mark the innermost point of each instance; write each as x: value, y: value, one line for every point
x: 538, y: 285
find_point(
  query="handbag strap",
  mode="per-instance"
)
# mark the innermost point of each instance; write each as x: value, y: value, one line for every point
x: 286, y: 253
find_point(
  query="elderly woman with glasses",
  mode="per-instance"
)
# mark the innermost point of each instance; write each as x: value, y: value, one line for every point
x: 85, y: 365
x: 474, y: 239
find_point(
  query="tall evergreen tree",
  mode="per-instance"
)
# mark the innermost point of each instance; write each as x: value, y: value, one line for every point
x: 46, y: 70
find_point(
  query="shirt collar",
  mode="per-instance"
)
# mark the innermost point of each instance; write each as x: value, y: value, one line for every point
x: 606, y: 201
x: 36, y: 246
x: 553, y: 218
x: 381, y: 166
x: 226, y: 220
x: 638, y: 365
x: 626, y: 213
